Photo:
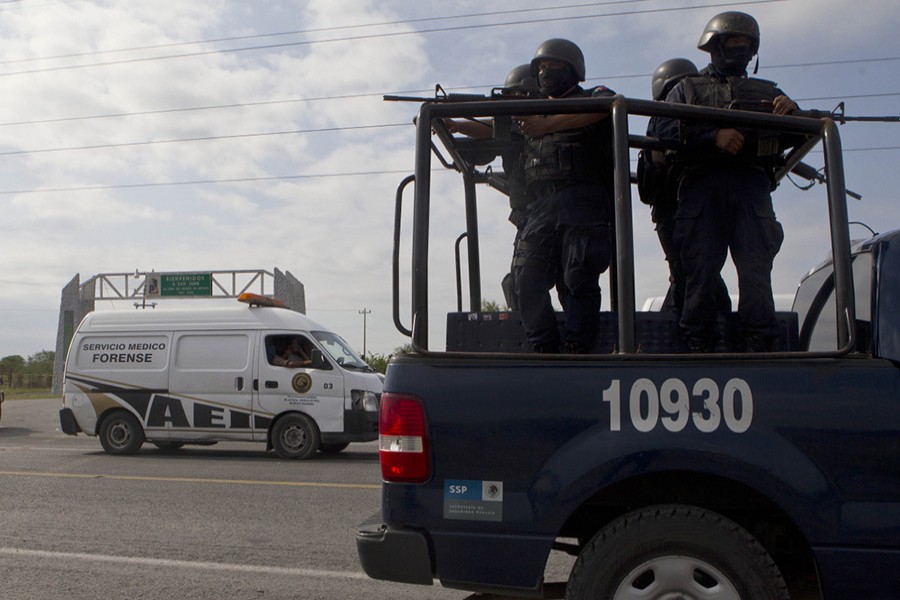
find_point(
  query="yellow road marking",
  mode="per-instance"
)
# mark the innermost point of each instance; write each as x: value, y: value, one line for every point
x: 361, y: 486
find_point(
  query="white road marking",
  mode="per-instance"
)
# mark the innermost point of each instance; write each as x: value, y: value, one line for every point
x: 182, y: 564
x: 313, y: 484
x: 30, y: 448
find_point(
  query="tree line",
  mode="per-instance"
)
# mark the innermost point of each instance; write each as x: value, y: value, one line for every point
x: 36, y: 371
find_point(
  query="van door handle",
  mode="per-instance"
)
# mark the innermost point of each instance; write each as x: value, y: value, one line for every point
x: 256, y: 385
x: 271, y: 385
x: 239, y: 383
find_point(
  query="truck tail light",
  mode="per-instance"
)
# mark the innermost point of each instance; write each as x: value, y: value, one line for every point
x: 403, y: 439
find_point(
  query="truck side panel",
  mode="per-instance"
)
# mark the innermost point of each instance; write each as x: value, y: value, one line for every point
x: 803, y: 433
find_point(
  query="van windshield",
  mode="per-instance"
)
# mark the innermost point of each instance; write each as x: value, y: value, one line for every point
x: 340, y: 351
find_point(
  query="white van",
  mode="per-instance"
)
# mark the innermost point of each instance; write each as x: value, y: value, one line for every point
x: 199, y: 376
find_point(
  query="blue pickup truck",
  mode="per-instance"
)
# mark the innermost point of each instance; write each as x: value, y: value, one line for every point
x: 667, y: 475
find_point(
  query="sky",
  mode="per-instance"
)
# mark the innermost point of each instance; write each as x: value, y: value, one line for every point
x: 224, y: 134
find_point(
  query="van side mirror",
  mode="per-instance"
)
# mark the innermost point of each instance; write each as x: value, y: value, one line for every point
x: 318, y: 361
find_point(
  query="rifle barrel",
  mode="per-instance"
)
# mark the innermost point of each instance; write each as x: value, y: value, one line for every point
x: 884, y: 119
x: 389, y: 98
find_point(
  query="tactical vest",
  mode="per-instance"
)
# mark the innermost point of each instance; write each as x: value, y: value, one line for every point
x: 657, y: 177
x: 658, y: 172
x: 760, y: 147
x: 513, y: 159
x: 572, y: 156
x: 703, y: 90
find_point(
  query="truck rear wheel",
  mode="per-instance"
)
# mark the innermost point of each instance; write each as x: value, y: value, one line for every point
x: 675, y: 551
x: 295, y: 436
x: 169, y: 446
x: 333, y: 448
x: 121, y: 433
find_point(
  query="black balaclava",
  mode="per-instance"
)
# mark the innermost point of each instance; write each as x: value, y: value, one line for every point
x: 556, y: 81
x: 731, y: 61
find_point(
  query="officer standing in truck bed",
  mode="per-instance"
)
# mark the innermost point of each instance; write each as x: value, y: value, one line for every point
x: 724, y: 200
x: 566, y: 241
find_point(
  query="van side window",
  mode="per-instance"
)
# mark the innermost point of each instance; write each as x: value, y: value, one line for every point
x: 294, y: 351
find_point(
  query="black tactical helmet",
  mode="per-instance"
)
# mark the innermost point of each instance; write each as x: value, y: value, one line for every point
x: 562, y: 50
x: 520, y: 78
x: 668, y: 74
x: 728, y: 24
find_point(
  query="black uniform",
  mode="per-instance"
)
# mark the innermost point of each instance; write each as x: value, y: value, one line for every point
x: 566, y: 241
x: 724, y: 203
x: 658, y: 176
x: 513, y: 159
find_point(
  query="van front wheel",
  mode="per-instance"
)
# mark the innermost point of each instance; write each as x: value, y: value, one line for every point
x: 121, y: 433
x: 295, y: 436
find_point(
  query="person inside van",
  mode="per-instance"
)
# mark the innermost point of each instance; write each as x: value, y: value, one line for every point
x: 290, y: 353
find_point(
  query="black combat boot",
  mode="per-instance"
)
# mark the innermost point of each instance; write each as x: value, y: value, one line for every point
x: 758, y: 343
x: 701, y: 345
x: 545, y: 348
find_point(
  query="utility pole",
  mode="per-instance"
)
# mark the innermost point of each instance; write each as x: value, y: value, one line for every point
x: 364, y: 312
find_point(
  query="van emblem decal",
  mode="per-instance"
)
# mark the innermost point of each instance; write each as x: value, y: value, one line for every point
x: 302, y: 383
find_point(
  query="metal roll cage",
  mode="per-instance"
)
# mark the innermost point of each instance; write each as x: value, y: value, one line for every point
x: 429, y: 123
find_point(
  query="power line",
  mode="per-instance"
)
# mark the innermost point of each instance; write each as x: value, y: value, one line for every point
x: 848, y: 97
x: 382, y: 35
x: 4, y: 9
x: 207, y: 181
x: 870, y: 149
x: 412, y: 92
x: 205, y: 138
x: 315, y: 30
x: 275, y: 133
x: 849, y: 61
x: 361, y: 95
x: 199, y: 108
x: 285, y: 178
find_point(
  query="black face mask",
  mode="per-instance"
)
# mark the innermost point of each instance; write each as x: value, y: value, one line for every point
x: 556, y: 81
x: 733, y: 60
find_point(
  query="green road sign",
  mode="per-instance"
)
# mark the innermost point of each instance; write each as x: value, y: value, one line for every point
x: 185, y: 284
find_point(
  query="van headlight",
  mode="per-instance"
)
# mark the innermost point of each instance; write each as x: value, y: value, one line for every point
x: 364, y: 400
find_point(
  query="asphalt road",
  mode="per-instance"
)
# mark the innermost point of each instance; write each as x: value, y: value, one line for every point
x: 227, y: 521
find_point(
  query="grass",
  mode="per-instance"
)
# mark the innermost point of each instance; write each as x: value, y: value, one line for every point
x: 26, y: 393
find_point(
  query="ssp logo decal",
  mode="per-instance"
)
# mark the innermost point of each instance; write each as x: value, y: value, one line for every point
x: 302, y: 383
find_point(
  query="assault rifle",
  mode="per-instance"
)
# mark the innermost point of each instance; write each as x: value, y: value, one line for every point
x: 811, y: 174
x: 498, y: 93
x: 838, y: 115
x: 501, y: 125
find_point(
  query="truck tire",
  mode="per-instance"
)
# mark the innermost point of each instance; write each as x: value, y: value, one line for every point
x: 333, y: 448
x: 675, y: 551
x: 169, y: 446
x: 295, y: 436
x: 121, y: 433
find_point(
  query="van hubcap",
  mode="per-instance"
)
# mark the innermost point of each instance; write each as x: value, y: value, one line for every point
x: 119, y: 434
x: 295, y: 437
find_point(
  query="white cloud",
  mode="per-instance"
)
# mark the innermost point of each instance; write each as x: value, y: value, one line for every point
x: 335, y: 233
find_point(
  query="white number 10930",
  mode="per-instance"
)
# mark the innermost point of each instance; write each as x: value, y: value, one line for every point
x: 672, y: 399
